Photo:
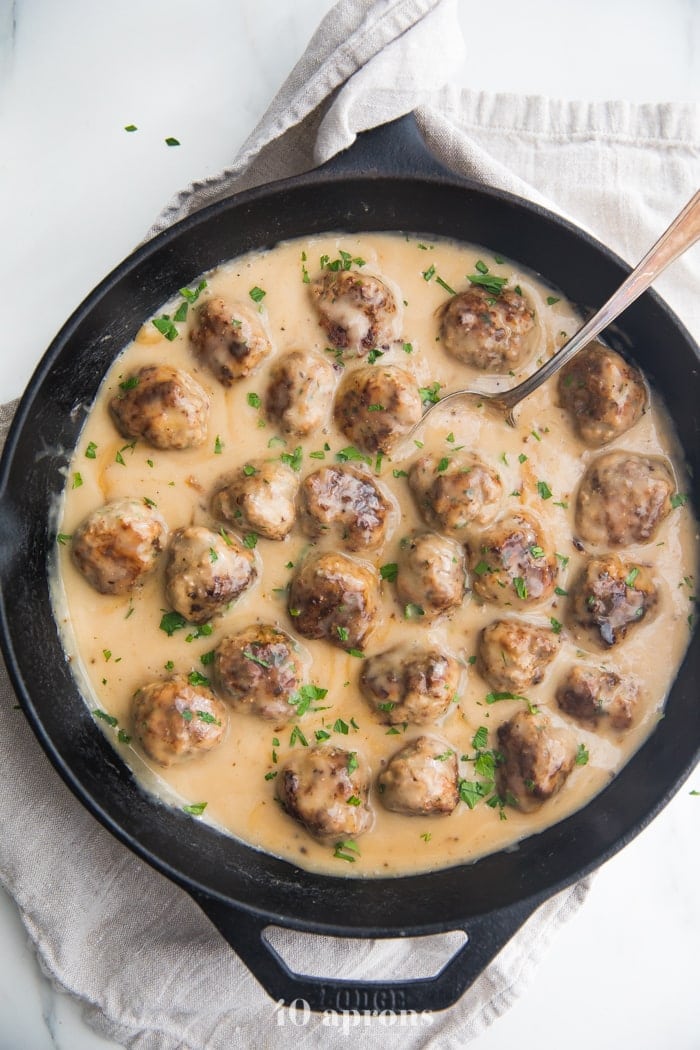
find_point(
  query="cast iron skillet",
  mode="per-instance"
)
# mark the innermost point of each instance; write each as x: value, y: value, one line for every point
x: 386, y: 181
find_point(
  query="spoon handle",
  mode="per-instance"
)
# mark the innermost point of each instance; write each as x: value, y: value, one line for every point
x: 682, y: 234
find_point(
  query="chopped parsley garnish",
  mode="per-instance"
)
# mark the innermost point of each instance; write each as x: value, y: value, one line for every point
x: 171, y: 622
x: 442, y: 465
x: 166, y: 327
x: 123, y: 737
x: 350, y: 453
x: 522, y: 458
x: 344, y: 262
x: 345, y: 851
x: 537, y: 552
x: 195, y: 809
x: 678, y: 500
x: 354, y: 800
x: 91, y: 451
x: 109, y: 719
x: 389, y: 571
x: 544, y: 490
x: 556, y: 626
x: 130, y: 127
x: 77, y: 480
x: 480, y: 738
x: 352, y: 762
x: 305, y: 696
x: 339, y: 726
x: 250, y: 540
x: 445, y: 285
x: 254, y: 400
x: 208, y: 658
x: 552, y: 299
x: 631, y: 577
x: 297, y: 735
x: 197, y: 678
x: 482, y: 568
x: 490, y: 282
x: 257, y: 294
x: 225, y: 537
x: 192, y: 294
x: 181, y: 312
x: 481, y: 266
x: 430, y: 395
x: 520, y: 587
x: 374, y: 355
x: 408, y: 348
x: 412, y: 610
x: 171, y: 141
x: 207, y: 718
x: 429, y: 273
x: 582, y: 755
x: 356, y: 652
x: 293, y: 459
x: 321, y: 735
x: 399, y: 473
x: 63, y: 538
x: 376, y: 408
x: 342, y: 632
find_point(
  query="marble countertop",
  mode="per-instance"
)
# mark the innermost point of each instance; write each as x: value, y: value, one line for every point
x: 77, y: 193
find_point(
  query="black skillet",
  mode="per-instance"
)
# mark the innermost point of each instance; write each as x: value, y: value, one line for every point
x: 386, y: 181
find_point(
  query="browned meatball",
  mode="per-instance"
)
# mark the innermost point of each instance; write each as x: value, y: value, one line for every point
x: 162, y: 405
x: 431, y: 573
x: 347, y: 502
x: 603, y: 394
x: 537, y: 759
x: 334, y: 597
x: 509, y: 562
x: 590, y: 694
x: 174, y: 720
x: 492, y: 332
x: 206, y: 571
x: 326, y: 789
x: 623, y: 498
x: 612, y: 595
x: 356, y: 310
x: 258, y: 670
x: 300, y: 392
x: 376, y: 406
x: 410, y: 684
x: 229, y: 338
x: 513, y: 655
x: 421, y: 779
x: 118, y: 545
x: 259, y: 496
x: 455, y: 493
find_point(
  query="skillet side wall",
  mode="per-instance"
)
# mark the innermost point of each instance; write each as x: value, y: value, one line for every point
x: 47, y: 428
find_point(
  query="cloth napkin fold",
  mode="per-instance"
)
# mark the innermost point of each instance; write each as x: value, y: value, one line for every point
x: 148, y: 967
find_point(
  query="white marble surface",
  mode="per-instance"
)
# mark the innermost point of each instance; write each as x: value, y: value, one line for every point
x: 77, y: 192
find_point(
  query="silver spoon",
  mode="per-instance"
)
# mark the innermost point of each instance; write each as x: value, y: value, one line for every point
x: 682, y: 234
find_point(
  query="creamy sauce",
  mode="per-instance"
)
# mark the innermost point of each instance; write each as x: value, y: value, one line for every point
x: 115, y: 644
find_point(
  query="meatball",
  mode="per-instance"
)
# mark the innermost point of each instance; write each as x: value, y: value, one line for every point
x: 421, y: 779
x: 590, y: 694
x: 206, y: 571
x: 259, y: 670
x: 229, y: 338
x: 162, y: 405
x: 603, y: 394
x: 348, y: 502
x: 611, y: 596
x: 300, y: 392
x: 455, y: 493
x: 334, y: 597
x: 173, y: 720
x: 513, y: 655
x: 491, y: 332
x: 356, y: 310
x: 326, y: 789
x: 509, y: 564
x: 537, y: 759
x: 623, y: 498
x: 431, y: 573
x: 376, y: 407
x: 410, y: 684
x: 118, y: 545
x: 259, y: 496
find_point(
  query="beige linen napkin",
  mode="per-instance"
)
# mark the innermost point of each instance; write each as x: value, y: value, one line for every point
x: 147, y: 965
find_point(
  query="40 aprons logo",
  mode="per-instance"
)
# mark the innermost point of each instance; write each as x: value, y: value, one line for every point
x: 299, y: 1014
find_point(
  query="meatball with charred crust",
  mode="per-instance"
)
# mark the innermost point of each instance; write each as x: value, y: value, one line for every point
x: 375, y: 407
x: 229, y: 338
x: 206, y: 571
x: 611, y: 596
x: 347, y: 502
x: 299, y: 393
x: 591, y: 695
x: 259, y: 496
x: 603, y: 394
x: 514, y: 655
x: 357, y: 311
x: 494, y: 332
x: 334, y: 597
x: 455, y: 493
x: 326, y: 789
x: 117, y: 546
x: 174, y: 720
x: 537, y: 759
x: 431, y: 573
x: 259, y: 671
x: 510, y: 563
x: 163, y: 406
x: 408, y: 683
x: 421, y: 779
x: 623, y: 498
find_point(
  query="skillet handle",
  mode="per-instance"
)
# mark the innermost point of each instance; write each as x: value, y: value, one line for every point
x: 486, y: 936
x: 392, y: 149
